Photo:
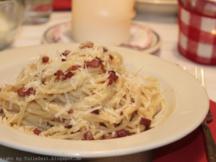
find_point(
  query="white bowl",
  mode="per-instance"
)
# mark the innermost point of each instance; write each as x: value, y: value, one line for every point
x: 187, y: 107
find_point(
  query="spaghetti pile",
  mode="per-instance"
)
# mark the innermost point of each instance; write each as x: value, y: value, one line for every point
x: 84, y: 94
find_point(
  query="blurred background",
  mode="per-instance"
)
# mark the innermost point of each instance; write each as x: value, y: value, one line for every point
x: 185, y: 27
x: 39, y: 15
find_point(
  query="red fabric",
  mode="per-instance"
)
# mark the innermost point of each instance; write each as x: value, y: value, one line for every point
x: 196, y: 40
x: 190, y: 148
x: 62, y: 4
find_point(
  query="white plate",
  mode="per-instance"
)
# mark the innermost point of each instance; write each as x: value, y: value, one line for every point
x: 186, y: 98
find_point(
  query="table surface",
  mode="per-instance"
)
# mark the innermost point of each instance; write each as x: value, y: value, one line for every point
x: 165, y: 26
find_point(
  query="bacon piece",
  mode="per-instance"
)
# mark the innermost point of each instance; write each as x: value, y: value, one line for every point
x: 65, y: 53
x: 45, y: 59
x: 145, y: 122
x: 95, y: 63
x: 22, y: 92
x: 37, y: 131
x: 59, y: 74
x: 73, y: 67
x: 86, y: 45
x: 95, y: 112
x: 122, y: 133
x: 68, y: 75
x: 112, y: 77
x: 88, y: 136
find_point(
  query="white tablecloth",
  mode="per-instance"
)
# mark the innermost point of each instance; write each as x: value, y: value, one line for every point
x: 166, y: 26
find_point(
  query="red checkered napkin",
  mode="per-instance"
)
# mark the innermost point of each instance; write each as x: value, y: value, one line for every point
x: 197, y: 35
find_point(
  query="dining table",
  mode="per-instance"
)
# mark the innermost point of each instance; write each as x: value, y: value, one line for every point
x: 189, y: 149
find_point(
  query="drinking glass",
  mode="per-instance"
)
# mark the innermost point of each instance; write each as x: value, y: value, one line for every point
x: 11, y: 17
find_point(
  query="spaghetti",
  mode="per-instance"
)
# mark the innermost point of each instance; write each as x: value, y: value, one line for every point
x: 82, y: 95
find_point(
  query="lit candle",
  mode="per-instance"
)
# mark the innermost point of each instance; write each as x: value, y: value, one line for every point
x: 102, y: 21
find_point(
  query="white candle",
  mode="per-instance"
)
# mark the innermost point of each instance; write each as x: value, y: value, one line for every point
x: 102, y: 21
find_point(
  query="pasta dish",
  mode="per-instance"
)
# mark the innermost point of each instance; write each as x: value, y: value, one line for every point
x: 81, y: 94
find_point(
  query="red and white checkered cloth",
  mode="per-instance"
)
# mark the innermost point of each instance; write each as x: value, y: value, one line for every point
x: 197, y: 36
